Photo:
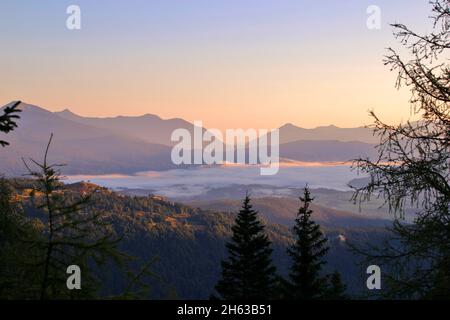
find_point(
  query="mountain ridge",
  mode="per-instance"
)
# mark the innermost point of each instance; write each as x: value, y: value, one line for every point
x: 148, y: 127
x: 85, y: 148
x: 289, y: 132
x: 125, y: 144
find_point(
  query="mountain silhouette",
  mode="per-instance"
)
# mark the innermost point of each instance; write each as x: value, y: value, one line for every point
x: 86, y: 149
x: 129, y: 144
x: 150, y: 128
x: 291, y: 133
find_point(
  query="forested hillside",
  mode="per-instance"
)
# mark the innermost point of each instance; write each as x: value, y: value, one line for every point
x: 186, y: 243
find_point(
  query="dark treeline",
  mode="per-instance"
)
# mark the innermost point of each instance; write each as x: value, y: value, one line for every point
x: 248, y: 272
x: 182, y: 246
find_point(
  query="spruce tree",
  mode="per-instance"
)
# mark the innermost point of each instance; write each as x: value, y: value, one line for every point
x: 72, y: 235
x: 336, y: 288
x: 307, y: 253
x: 248, y: 273
x: 8, y: 120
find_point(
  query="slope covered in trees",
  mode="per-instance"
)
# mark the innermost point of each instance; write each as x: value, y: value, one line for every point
x: 186, y: 244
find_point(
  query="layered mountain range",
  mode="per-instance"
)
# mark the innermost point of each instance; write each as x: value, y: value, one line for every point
x: 190, y: 240
x: 131, y: 144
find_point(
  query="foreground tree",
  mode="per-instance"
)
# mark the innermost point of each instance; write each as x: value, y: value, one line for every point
x: 71, y: 235
x: 16, y: 279
x: 8, y: 120
x: 248, y: 273
x: 307, y: 254
x: 35, y: 252
x: 336, y: 288
x: 414, y: 166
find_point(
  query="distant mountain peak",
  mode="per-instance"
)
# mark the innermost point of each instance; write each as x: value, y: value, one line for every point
x: 66, y: 111
x: 290, y: 133
x: 152, y: 116
x: 293, y: 126
x: 331, y: 126
x: 26, y: 107
x: 289, y: 126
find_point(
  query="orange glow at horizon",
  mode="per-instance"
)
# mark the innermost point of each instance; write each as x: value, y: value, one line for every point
x: 239, y: 67
x: 224, y: 100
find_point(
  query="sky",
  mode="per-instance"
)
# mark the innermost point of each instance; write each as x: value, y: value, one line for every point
x: 229, y: 63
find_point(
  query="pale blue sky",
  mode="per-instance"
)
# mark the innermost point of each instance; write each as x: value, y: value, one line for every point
x: 220, y: 61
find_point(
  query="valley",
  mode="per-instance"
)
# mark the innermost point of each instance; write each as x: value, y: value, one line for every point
x: 181, y: 216
x: 187, y: 243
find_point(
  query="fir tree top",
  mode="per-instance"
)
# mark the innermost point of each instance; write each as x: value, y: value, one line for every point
x: 307, y: 253
x: 248, y: 273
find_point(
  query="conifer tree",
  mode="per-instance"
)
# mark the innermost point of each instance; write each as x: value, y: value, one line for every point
x: 16, y: 232
x: 307, y: 253
x: 336, y: 288
x: 8, y: 120
x: 56, y: 229
x: 248, y: 273
x: 72, y: 235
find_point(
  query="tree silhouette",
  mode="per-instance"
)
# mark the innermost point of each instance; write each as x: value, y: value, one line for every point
x: 336, y: 288
x: 72, y: 235
x: 414, y: 165
x: 248, y: 273
x: 8, y: 120
x: 307, y: 253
